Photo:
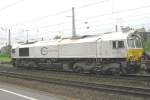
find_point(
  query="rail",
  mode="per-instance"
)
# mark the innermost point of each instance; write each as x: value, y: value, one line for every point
x: 144, y: 92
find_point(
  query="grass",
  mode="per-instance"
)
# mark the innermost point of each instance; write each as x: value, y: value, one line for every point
x: 4, y: 58
x: 146, y: 45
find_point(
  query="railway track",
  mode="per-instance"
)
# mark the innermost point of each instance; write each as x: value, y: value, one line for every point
x: 137, y: 91
x: 121, y: 77
x: 124, y: 77
x: 137, y: 77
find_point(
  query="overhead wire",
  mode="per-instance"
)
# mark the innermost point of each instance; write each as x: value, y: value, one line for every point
x: 102, y: 15
x: 117, y: 12
x: 41, y: 18
x: 57, y: 13
x: 92, y: 4
x: 10, y: 5
x: 55, y: 24
x: 103, y: 24
x: 87, y: 5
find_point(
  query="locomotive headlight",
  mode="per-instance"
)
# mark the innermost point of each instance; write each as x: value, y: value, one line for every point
x: 130, y: 57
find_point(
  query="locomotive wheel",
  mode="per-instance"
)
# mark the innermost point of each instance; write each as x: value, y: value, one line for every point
x: 96, y: 70
x: 116, y: 72
x: 123, y: 71
x: 78, y: 69
x: 123, y: 68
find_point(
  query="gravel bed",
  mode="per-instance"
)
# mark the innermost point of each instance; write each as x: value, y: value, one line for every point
x: 72, y: 92
x: 78, y: 93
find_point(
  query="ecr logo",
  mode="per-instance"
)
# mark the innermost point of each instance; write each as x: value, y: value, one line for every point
x: 44, y: 51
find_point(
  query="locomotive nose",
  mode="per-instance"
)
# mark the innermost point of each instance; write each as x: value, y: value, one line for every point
x: 134, y: 54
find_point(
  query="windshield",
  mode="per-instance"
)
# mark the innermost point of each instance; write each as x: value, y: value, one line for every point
x: 138, y: 43
x: 131, y: 43
x: 134, y: 43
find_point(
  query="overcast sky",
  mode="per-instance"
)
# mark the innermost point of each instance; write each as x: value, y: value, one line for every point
x: 48, y: 18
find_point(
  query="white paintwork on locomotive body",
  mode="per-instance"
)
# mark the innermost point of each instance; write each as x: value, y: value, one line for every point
x: 35, y: 49
x: 99, y: 46
x: 106, y: 47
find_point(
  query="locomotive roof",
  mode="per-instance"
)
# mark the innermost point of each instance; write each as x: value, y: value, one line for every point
x: 94, y: 38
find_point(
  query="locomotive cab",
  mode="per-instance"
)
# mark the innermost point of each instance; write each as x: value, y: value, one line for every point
x: 134, y: 51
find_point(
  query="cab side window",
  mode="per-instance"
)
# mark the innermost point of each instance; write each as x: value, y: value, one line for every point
x: 114, y: 44
x: 120, y: 44
x: 117, y: 44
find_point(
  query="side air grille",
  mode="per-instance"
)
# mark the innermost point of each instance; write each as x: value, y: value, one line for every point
x: 23, y: 51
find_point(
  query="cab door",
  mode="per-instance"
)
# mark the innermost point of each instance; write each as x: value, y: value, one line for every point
x: 118, y: 49
x: 99, y: 48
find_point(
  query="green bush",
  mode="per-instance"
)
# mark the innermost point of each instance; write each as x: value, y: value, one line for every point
x: 146, y: 45
x: 4, y: 55
x: 5, y: 58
